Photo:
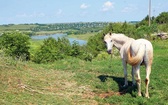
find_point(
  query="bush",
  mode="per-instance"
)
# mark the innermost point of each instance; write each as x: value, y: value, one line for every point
x: 52, y: 50
x: 102, y: 56
x: 96, y: 44
x: 162, y: 18
x: 15, y: 44
x: 76, y: 49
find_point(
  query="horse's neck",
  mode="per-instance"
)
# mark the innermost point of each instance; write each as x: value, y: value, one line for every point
x: 118, y: 46
x: 120, y: 41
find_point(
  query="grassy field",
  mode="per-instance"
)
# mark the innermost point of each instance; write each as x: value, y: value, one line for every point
x: 76, y: 82
x: 82, y: 36
x: 16, y: 27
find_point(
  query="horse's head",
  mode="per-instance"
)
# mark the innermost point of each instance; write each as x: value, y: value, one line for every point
x: 108, y: 41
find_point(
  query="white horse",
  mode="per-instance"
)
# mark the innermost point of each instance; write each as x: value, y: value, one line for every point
x: 133, y: 52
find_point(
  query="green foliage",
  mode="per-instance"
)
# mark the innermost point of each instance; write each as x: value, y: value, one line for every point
x: 52, y: 50
x: 125, y: 28
x: 163, y: 27
x: 162, y: 18
x: 76, y: 49
x: 95, y: 44
x: 128, y: 29
x: 162, y: 21
x: 15, y: 44
x: 86, y: 54
x: 143, y: 22
x: 103, y: 56
x: 64, y: 46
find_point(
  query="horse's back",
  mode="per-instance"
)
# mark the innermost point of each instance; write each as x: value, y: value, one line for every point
x: 142, y: 42
x: 148, y: 45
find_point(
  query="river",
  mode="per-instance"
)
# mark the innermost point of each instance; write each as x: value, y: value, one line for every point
x: 56, y: 36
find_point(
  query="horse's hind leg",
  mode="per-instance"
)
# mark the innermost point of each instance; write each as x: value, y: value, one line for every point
x: 148, y: 65
x: 147, y: 80
x: 138, y: 78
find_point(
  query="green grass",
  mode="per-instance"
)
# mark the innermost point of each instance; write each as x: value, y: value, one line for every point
x: 73, y: 81
x: 82, y: 36
x: 16, y: 27
x: 47, y: 32
x: 35, y: 45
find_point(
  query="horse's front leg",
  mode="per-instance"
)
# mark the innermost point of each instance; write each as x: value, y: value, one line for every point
x: 125, y: 73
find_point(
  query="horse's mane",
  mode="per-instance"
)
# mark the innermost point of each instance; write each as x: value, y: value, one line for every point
x: 120, y: 37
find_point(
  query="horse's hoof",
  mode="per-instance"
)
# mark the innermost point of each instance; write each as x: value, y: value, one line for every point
x: 147, y: 96
x: 139, y: 94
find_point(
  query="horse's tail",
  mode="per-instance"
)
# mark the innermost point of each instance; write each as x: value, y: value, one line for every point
x: 134, y: 60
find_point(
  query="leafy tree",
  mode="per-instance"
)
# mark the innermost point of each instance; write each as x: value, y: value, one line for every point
x: 96, y: 44
x: 15, y: 44
x: 64, y: 46
x: 143, y: 22
x: 162, y: 18
x: 128, y: 29
x: 81, y: 52
x: 52, y: 50
x: 75, y: 51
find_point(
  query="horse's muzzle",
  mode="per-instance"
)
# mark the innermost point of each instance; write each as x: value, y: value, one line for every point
x: 109, y: 51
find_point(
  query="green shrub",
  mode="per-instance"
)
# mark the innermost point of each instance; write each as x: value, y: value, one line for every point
x: 86, y: 54
x: 162, y: 18
x: 96, y: 44
x: 102, y: 56
x: 15, y: 44
x: 75, y: 49
x: 52, y: 50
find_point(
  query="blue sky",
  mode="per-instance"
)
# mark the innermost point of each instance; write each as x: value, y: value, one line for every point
x: 63, y: 11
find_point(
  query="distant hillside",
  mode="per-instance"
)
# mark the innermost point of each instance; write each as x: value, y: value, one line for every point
x: 69, y: 28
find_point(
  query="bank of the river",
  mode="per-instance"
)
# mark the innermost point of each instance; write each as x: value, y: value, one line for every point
x: 50, y: 32
x: 82, y: 36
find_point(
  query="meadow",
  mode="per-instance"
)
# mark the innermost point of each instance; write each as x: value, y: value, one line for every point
x: 73, y: 81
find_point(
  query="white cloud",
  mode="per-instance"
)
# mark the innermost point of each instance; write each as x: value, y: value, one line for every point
x: 107, y: 6
x: 84, y: 6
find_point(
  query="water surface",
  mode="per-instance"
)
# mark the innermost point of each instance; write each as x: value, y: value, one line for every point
x: 56, y: 36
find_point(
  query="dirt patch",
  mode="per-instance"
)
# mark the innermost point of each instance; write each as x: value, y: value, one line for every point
x: 109, y: 94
